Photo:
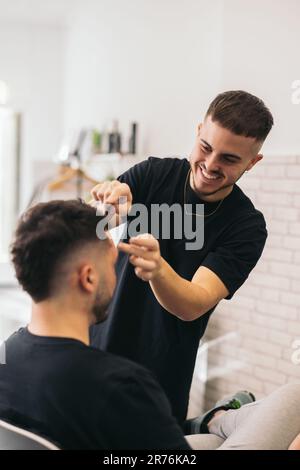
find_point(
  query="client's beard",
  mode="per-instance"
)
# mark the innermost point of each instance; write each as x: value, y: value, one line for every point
x: 100, y: 310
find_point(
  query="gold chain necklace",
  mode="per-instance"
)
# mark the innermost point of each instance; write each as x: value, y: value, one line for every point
x: 184, y: 200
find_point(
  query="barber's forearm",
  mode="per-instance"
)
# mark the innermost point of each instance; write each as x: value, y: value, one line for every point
x: 184, y: 299
x: 178, y: 296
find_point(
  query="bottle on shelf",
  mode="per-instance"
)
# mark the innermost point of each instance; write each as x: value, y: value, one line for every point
x: 114, y: 140
x: 132, y: 139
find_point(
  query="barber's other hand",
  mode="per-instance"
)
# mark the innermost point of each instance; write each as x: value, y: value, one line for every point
x: 144, y: 255
x: 115, y: 193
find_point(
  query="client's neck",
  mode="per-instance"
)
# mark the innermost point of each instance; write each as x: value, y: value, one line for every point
x: 59, y: 318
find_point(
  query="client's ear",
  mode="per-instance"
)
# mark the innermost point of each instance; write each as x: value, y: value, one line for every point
x: 87, y: 278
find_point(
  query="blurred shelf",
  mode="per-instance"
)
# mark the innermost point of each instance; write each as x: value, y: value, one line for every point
x: 110, y: 166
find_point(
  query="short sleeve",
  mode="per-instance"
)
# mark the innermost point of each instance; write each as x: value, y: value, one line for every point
x: 238, y: 251
x: 141, y: 415
x: 137, y: 178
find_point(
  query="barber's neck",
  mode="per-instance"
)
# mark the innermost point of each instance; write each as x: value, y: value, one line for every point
x: 60, y: 317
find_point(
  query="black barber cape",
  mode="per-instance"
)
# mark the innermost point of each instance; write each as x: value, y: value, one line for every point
x: 138, y: 327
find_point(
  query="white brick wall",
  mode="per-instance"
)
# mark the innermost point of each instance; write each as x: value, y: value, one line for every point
x: 265, y: 312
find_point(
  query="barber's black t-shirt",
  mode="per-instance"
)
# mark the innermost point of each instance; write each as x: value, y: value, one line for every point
x: 82, y: 398
x: 138, y: 327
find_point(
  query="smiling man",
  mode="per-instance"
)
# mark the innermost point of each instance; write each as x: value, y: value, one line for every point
x: 165, y: 293
x: 219, y: 159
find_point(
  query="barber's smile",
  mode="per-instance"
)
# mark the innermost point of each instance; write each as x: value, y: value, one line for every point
x: 207, y: 177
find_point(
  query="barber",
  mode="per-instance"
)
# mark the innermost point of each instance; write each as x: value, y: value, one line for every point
x: 166, y: 293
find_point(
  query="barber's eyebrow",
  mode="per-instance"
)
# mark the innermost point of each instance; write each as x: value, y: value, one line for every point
x: 206, y: 144
x: 237, y: 157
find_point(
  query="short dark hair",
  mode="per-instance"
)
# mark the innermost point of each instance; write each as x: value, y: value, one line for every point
x: 44, y: 237
x: 241, y: 113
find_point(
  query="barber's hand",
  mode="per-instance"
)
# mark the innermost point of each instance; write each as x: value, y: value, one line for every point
x: 144, y: 255
x: 114, y: 193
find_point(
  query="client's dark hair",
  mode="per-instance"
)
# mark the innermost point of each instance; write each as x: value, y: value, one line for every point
x: 46, y: 234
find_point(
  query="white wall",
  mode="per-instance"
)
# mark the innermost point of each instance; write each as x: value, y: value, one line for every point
x: 31, y: 62
x: 157, y: 62
x: 161, y: 62
x: 261, y: 53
